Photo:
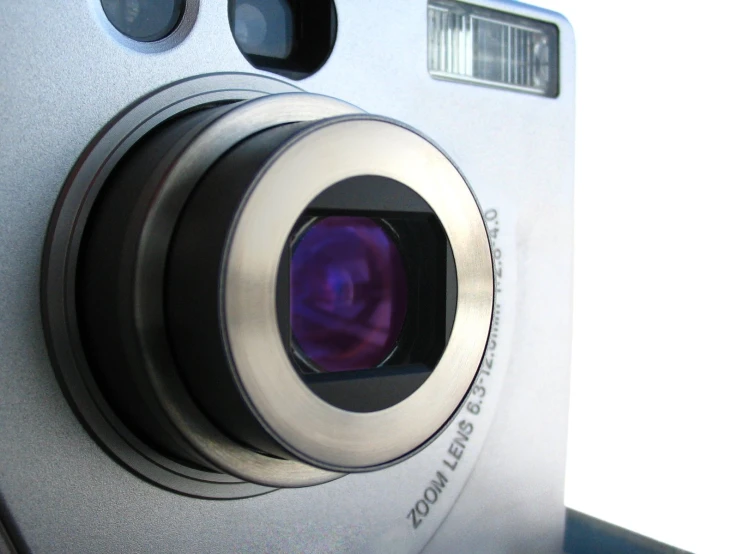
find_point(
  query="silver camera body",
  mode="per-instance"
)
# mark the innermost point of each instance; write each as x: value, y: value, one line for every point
x: 488, y: 475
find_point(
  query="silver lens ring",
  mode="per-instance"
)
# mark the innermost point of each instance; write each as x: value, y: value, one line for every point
x: 226, y: 131
x: 309, y: 427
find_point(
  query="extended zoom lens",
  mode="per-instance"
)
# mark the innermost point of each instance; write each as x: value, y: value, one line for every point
x: 287, y: 290
x: 348, y: 294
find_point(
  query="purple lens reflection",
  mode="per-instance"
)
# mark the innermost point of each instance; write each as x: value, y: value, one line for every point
x: 348, y: 293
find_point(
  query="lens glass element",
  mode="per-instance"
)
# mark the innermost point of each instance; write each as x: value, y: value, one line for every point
x: 262, y: 27
x: 348, y: 294
x: 144, y: 20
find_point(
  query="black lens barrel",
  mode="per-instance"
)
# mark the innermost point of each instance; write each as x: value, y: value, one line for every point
x: 195, y: 339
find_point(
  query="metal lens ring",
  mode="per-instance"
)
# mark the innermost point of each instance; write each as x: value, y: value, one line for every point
x: 305, y: 425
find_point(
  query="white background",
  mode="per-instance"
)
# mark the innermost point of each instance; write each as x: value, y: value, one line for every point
x: 654, y: 411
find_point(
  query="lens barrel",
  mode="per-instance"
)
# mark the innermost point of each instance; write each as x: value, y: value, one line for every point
x: 284, y: 289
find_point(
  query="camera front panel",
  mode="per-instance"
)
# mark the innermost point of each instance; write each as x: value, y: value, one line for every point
x: 66, y: 488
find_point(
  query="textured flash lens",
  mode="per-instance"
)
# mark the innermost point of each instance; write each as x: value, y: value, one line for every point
x: 477, y: 45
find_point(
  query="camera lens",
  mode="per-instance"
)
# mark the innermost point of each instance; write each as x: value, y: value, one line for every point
x: 144, y: 20
x: 262, y: 27
x: 286, y: 290
x: 348, y: 294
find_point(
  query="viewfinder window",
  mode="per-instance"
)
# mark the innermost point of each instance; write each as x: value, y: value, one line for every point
x: 292, y: 38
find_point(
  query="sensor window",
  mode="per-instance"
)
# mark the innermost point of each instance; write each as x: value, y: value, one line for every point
x: 144, y: 20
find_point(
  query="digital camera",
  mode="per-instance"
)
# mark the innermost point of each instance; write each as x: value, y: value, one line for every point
x: 284, y: 275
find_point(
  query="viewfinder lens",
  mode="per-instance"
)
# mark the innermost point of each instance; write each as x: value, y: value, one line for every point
x: 292, y: 38
x: 348, y: 294
x: 263, y: 27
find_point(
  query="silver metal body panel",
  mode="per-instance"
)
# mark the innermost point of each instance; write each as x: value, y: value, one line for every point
x: 63, y: 77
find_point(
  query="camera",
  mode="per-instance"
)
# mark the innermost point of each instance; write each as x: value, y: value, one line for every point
x: 284, y: 275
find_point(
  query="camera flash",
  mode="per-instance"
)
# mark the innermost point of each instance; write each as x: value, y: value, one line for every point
x: 477, y: 45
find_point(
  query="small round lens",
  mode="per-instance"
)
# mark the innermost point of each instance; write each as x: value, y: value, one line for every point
x: 144, y: 20
x: 348, y: 293
x: 262, y: 27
